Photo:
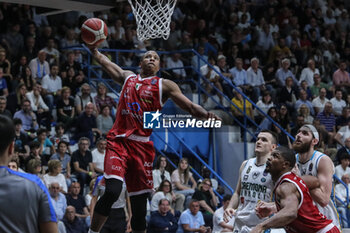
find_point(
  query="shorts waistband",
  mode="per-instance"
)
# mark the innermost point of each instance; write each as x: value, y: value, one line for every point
x: 326, y: 228
x: 138, y: 138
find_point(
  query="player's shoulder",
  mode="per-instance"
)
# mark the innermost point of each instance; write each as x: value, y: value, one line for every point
x: 26, y: 181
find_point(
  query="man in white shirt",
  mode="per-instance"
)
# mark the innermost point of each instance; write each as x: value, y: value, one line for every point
x: 340, y: 191
x: 175, y: 62
x: 98, y: 155
x: 39, y: 66
x: 338, y: 103
x: 320, y: 101
x: 307, y: 73
x: 219, y: 224
x: 255, y: 79
x: 52, y: 85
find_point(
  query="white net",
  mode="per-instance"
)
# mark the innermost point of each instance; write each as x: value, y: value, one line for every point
x: 153, y: 18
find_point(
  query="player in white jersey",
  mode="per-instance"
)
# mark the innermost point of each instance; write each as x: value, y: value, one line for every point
x: 253, y: 185
x: 316, y: 168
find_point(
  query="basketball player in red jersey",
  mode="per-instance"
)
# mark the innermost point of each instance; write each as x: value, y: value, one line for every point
x: 129, y: 153
x: 296, y: 211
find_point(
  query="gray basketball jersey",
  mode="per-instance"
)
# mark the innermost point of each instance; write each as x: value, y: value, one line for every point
x: 256, y: 185
x: 310, y: 168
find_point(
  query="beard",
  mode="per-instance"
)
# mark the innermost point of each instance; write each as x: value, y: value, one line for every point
x: 302, y: 148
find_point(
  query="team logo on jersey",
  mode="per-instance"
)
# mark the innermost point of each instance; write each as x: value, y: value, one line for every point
x: 137, y: 86
x: 134, y: 106
x: 151, y: 120
x: 245, y: 177
x: 263, y: 180
x: 248, y: 170
x: 255, y: 175
x: 311, y: 166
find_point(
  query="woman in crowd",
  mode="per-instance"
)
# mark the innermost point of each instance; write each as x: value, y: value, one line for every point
x: 305, y: 111
x: 264, y: 104
x: 102, y: 99
x: 160, y: 171
x: 55, y: 175
x: 104, y: 120
x: 65, y: 108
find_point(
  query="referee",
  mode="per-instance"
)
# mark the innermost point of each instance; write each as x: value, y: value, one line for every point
x: 25, y: 205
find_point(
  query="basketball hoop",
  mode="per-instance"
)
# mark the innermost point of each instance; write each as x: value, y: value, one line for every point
x: 153, y: 18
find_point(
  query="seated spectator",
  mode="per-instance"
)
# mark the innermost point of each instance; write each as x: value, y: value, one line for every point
x: 15, y: 99
x: 287, y: 95
x: 73, y: 81
x: 72, y: 223
x: 303, y: 100
x: 38, y: 106
x: 27, y: 116
x: 320, y: 101
x: 238, y: 110
x: 59, y: 135
x: 39, y: 66
x: 86, y: 125
x: 191, y: 220
x: 255, y: 80
x: 55, y: 176
x: 81, y: 163
x: 66, y: 108
x: 162, y: 220
x: 219, y: 224
x: 165, y: 191
x: 337, y: 102
x: 283, y: 73
x: 83, y: 99
x: 195, y: 61
x: 53, y: 55
x: 98, y: 155
x: 5, y: 66
x: 19, y: 68
x: 52, y: 86
x: 21, y: 140
x: 341, y: 192
x: 58, y: 199
x: 267, y: 123
x: 224, y: 70
x: 264, y: 104
x: 207, y: 200
x: 175, y: 62
x: 160, y: 171
x: 3, y: 110
x: 3, y: 85
x: 212, y: 78
x: 239, y: 75
x: 34, y: 167
x: 343, y: 167
x: 299, y: 122
x: 77, y: 200
x: 34, y: 153
x: 304, y: 86
x: 27, y: 79
x: 180, y: 179
x: 305, y: 111
x: 341, y: 78
x: 64, y: 159
x: 327, y: 119
x: 14, y: 165
x: 46, y: 147
x: 308, y: 72
x: 343, y: 119
x: 104, y: 120
x: 102, y: 99
x: 342, y: 134
x: 318, y: 85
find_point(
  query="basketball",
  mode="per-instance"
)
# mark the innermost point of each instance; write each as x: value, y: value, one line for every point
x: 94, y: 31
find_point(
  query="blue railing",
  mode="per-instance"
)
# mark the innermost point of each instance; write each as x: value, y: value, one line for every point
x: 342, y: 204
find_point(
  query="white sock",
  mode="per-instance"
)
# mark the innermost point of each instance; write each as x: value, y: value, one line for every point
x: 91, y: 231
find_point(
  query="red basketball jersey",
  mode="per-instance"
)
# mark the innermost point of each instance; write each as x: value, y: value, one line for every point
x: 309, y: 219
x: 138, y: 95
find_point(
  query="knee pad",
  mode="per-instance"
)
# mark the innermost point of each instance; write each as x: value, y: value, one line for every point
x: 111, y: 195
x: 139, y: 211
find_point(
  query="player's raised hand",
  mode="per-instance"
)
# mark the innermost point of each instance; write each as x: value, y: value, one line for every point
x: 265, y: 209
x: 228, y: 214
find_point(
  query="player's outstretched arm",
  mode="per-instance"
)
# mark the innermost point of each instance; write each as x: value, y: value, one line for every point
x: 172, y: 90
x: 48, y: 227
x: 289, y: 198
x: 117, y: 73
x: 265, y: 209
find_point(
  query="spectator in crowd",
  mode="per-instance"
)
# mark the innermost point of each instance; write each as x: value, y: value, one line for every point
x: 3, y: 110
x: 64, y: 159
x: 69, y: 39
x: 3, y: 84
x: 102, y: 99
x: 343, y: 119
x: 327, y: 119
x: 19, y: 68
x: 30, y: 50
x: 341, y: 78
x: 164, y: 190
x: 59, y: 200
x: 305, y: 87
x: 160, y: 171
x: 39, y: 66
x: 318, y: 85
x: 55, y: 176
x: 81, y: 163
x: 27, y: 116
x: 239, y: 75
x: 197, y: 62
x: 15, y: 99
x: 14, y: 165
x: 224, y: 70
x: 86, y: 125
x: 27, y: 79
x: 104, y: 120
x: 98, y: 155
x: 66, y: 108
x: 279, y: 48
x: 21, y: 140
x: 14, y: 39
x: 308, y: 73
x: 34, y: 153
x: 191, y: 220
x: 303, y: 100
x: 264, y: 104
x: 341, y: 192
x: 82, y: 100
x: 337, y: 102
x: 53, y: 55
x: 77, y: 200
x: 343, y: 167
x: 305, y: 111
x: 240, y: 102
x: 34, y: 167
x: 212, y: 78
x: 71, y: 221
x: 38, y: 106
x: 255, y: 79
x: 206, y: 174
x: 207, y: 201
x: 162, y: 220
x: 71, y: 63
x: 46, y: 146
x: 180, y: 179
x: 52, y: 86
x: 219, y: 224
x: 265, y: 41
x: 59, y: 135
x: 283, y: 73
x: 320, y: 101
x: 173, y: 62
